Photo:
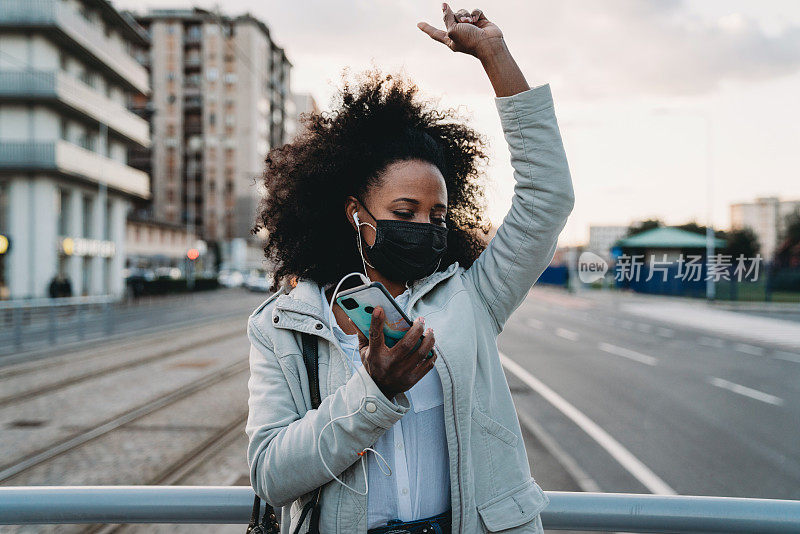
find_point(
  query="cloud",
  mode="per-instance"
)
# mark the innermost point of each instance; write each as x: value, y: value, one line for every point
x: 586, y: 49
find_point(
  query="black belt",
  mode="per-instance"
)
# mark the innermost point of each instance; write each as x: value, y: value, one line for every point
x: 438, y: 524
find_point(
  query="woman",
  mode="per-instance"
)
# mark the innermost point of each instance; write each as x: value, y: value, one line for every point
x: 374, y: 187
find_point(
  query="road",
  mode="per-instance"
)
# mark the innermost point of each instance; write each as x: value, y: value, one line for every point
x: 654, y: 395
x: 614, y: 393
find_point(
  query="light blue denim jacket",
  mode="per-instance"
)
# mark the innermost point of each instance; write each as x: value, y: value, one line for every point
x: 491, y: 484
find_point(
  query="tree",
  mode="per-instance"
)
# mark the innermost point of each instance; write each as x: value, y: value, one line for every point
x: 787, y: 254
x: 643, y: 226
x: 792, y: 230
x: 696, y: 228
x: 741, y: 241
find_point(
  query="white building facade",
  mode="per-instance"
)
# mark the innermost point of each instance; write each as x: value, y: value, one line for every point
x: 66, y: 75
x: 602, y: 238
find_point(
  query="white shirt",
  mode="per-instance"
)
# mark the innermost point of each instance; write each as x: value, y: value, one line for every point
x: 415, y: 447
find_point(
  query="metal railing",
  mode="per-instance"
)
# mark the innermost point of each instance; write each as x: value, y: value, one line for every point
x: 232, y: 505
x: 33, y: 322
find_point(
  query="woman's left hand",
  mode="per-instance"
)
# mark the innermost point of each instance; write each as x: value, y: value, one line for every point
x: 470, y: 33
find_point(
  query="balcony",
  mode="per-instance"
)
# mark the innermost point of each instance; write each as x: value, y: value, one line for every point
x: 71, y: 160
x: 192, y: 127
x: 24, y: 14
x: 78, y: 97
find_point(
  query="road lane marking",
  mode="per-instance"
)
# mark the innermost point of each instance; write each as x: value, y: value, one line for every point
x: 626, y: 459
x: 749, y: 349
x: 746, y: 391
x: 788, y: 356
x: 535, y: 323
x: 627, y: 353
x: 570, y: 465
x: 665, y: 332
x: 567, y: 334
x: 711, y: 342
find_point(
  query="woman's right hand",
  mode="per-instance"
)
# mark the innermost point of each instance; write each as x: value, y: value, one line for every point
x: 396, y: 369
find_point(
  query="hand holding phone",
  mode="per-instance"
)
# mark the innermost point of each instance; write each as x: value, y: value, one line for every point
x: 396, y: 369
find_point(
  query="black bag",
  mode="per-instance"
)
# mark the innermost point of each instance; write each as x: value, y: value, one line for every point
x: 269, y: 522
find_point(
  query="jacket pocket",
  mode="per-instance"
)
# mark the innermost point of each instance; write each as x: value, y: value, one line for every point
x: 494, y: 428
x: 513, y: 508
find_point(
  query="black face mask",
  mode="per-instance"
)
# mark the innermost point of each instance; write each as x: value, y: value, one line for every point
x: 405, y: 250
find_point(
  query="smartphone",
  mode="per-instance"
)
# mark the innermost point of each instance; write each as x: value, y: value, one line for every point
x: 358, y: 303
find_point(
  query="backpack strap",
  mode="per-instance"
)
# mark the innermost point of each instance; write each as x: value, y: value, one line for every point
x: 311, y: 360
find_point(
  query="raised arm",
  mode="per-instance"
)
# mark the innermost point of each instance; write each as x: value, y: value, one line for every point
x: 543, y: 199
x: 543, y: 194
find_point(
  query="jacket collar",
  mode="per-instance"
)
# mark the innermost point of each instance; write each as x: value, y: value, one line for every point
x: 306, y: 299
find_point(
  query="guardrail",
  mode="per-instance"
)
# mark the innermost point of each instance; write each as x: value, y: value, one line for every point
x: 229, y: 505
x: 31, y: 322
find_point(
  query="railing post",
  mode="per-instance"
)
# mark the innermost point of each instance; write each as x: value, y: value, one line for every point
x: 109, y: 321
x: 52, y: 330
x: 80, y: 322
x: 16, y: 315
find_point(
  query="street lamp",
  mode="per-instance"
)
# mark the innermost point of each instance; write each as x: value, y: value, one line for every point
x: 710, y: 245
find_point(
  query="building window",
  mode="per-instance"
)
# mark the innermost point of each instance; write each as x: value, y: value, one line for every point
x: 63, y: 212
x: 88, y: 205
x: 64, y: 127
x: 86, y: 274
x: 3, y: 208
x: 107, y: 223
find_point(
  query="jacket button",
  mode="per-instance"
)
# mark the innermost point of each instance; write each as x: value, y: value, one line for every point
x: 275, y: 319
x: 318, y: 326
x: 370, y: 407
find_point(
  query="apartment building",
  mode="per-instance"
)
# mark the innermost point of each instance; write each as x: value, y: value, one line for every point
x: 766, y: 216
x: 218, y: 104
x: 67, y: 72
x: 299, y: 104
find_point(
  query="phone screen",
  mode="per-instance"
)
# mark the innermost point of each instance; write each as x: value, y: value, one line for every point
x: 359, y: 304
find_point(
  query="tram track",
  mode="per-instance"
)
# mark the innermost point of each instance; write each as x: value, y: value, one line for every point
x: 66, y: 382
x: 10, y: 370
x: 187, y: 464
x: 68, y: 444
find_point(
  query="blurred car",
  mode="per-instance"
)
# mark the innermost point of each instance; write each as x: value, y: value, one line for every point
x: 138, y: 273
x: 230, y: 278
x: 168, y: 272
x: 258, y: 280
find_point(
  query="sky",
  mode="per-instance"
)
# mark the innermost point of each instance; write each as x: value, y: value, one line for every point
x: 668, y: 109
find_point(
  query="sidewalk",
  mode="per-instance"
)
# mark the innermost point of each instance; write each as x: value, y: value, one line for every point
x: 679, y: 311
x: 738, y: 324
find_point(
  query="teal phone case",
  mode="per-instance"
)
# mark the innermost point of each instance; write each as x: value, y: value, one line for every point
x: 367, y: 297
